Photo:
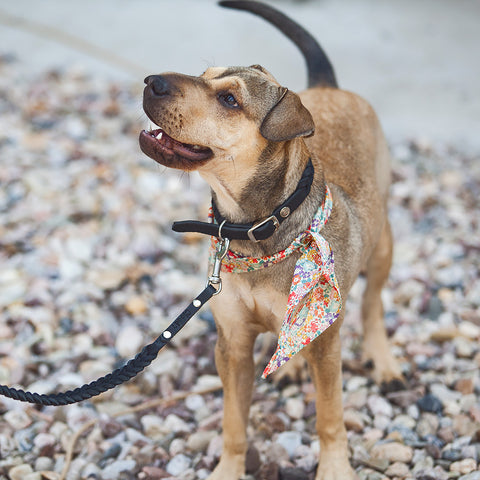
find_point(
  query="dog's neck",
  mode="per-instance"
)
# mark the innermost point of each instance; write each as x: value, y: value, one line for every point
x: 247, y: 198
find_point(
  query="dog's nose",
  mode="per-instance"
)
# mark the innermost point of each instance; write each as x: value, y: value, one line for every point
x: 159, y: 85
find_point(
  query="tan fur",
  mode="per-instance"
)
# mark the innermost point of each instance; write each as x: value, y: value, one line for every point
x: 250, y: 175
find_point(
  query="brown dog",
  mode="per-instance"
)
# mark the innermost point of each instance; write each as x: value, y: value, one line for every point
x: 250, y: 139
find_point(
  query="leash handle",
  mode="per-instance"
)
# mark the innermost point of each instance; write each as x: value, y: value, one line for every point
x: 122, y: 374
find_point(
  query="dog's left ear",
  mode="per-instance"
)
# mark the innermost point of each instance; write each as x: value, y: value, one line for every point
x: 288, y: 119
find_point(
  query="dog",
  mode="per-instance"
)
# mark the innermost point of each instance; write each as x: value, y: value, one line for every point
x: 251, y: 139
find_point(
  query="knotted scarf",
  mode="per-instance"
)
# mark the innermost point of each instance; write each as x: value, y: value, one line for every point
x: 314, y: 301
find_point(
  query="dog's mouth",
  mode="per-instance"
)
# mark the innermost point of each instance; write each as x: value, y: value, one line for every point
x: 170, y: 152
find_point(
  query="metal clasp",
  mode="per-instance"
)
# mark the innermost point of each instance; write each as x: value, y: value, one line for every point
x: 272, y: 218
x: 221, y: 252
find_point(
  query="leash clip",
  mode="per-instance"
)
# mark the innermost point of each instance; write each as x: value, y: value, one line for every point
x: 220, y: 254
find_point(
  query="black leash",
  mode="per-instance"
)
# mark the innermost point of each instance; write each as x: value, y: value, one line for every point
x: 135, y: 365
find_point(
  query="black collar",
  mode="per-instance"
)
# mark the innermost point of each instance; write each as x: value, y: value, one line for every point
x: 255, y: 231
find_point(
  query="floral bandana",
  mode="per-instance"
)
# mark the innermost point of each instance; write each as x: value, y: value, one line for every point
x: 314, y: 302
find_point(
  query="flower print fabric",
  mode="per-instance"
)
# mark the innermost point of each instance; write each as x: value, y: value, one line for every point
x: 314, y: 301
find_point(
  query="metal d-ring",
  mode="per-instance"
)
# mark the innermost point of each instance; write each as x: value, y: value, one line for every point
x: 220, y: 230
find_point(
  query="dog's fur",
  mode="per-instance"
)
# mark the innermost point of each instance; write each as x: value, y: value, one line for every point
x: 257, y: 151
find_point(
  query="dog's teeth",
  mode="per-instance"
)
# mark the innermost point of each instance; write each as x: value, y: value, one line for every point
x: 196, y: 147
x: 159, y: 136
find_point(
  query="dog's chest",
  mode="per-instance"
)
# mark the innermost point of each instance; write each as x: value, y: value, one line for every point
x: 263, y: 304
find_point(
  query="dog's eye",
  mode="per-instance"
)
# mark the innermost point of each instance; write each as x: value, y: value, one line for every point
x: 228, y: 100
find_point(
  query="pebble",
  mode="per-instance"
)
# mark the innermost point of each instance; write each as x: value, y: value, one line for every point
x: 427, y: 425
x: 379, y: 406
x: 178, y: 464
x: 393, y: 452
x: 19, y: 472
x: 295, y: 408
x: 136, y: 305
x: 464, y: 466
x: 17, y: 419
x: 290, y: 441
x: 199, y: 441
x: 430, y: 403
x: 353, y: 420
x: 129, y: 341
x: 397, y: 469
x: 113, y: 471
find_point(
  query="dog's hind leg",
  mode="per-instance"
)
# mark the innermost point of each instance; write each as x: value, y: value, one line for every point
x: 324, y: 359
x: 376, y: 349
x: 235, y: 365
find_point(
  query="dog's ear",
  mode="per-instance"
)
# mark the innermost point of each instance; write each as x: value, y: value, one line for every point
x: 287, y: 119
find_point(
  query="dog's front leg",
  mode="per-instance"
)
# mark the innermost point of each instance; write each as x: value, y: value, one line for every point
x: 324, y: 359
x: 235, y: 365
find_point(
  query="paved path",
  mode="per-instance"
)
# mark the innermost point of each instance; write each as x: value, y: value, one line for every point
x: 416, y: 62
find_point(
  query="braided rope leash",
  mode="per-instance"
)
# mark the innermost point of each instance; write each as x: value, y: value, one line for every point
x: 134, y: 366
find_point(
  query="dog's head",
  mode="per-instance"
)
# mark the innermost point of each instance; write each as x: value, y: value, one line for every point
x: 223, y: 115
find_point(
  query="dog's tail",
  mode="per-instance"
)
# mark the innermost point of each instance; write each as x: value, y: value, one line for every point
x: 320, y: 70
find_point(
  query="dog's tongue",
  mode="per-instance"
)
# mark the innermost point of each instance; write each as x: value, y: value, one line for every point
x: 190, y: 151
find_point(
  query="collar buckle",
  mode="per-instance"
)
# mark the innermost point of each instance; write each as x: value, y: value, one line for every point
x: 271, y: 218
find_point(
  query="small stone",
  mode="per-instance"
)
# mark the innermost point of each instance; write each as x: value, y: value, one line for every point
x: 177, y: 446
x: 175, y: 424
x: 467, y: 465
x: 113, y: 471
x: 199, y: 441
x: 470, y: 476
x: 290, y: 441
x: 295, y: 408
x: 430, y: 403
x: 427, y: 425
x: 292, y: 473
x: 353, y: 420
x: 17, y: 419
x: 107, y: 279
x: 464, y: 348
x: 437, y: 473
x: 444, y: 334
x: 452, y: 454
x: 136, y: 305
x: 397, y: 469
x: 423, y: 464
x: 465, y: 386
x: 91, y: 470
x: 154, y: 473
x: 463, y: 425
x: 178, y: 464
x: 194, y: 402
x: 469, y: 330
x: 33, y: 476
x: 153, y: 426
x: 43, y: 464
x: 379, y: 406
x: 269, y: 471
x: 19, y: 472
x: 252, y: 462
x: 129, y: 341
x: 393, y: 452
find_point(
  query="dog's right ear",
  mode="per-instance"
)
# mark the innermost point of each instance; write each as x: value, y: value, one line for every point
x: 288, y: 119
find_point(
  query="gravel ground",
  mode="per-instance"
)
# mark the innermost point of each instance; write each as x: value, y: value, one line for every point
x: 90, y: 272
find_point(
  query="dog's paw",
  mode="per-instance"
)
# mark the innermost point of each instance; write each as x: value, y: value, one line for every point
x: 384, y: 369
x: 335, y: 471
x: 229, y: 468
x: 294, y: 371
